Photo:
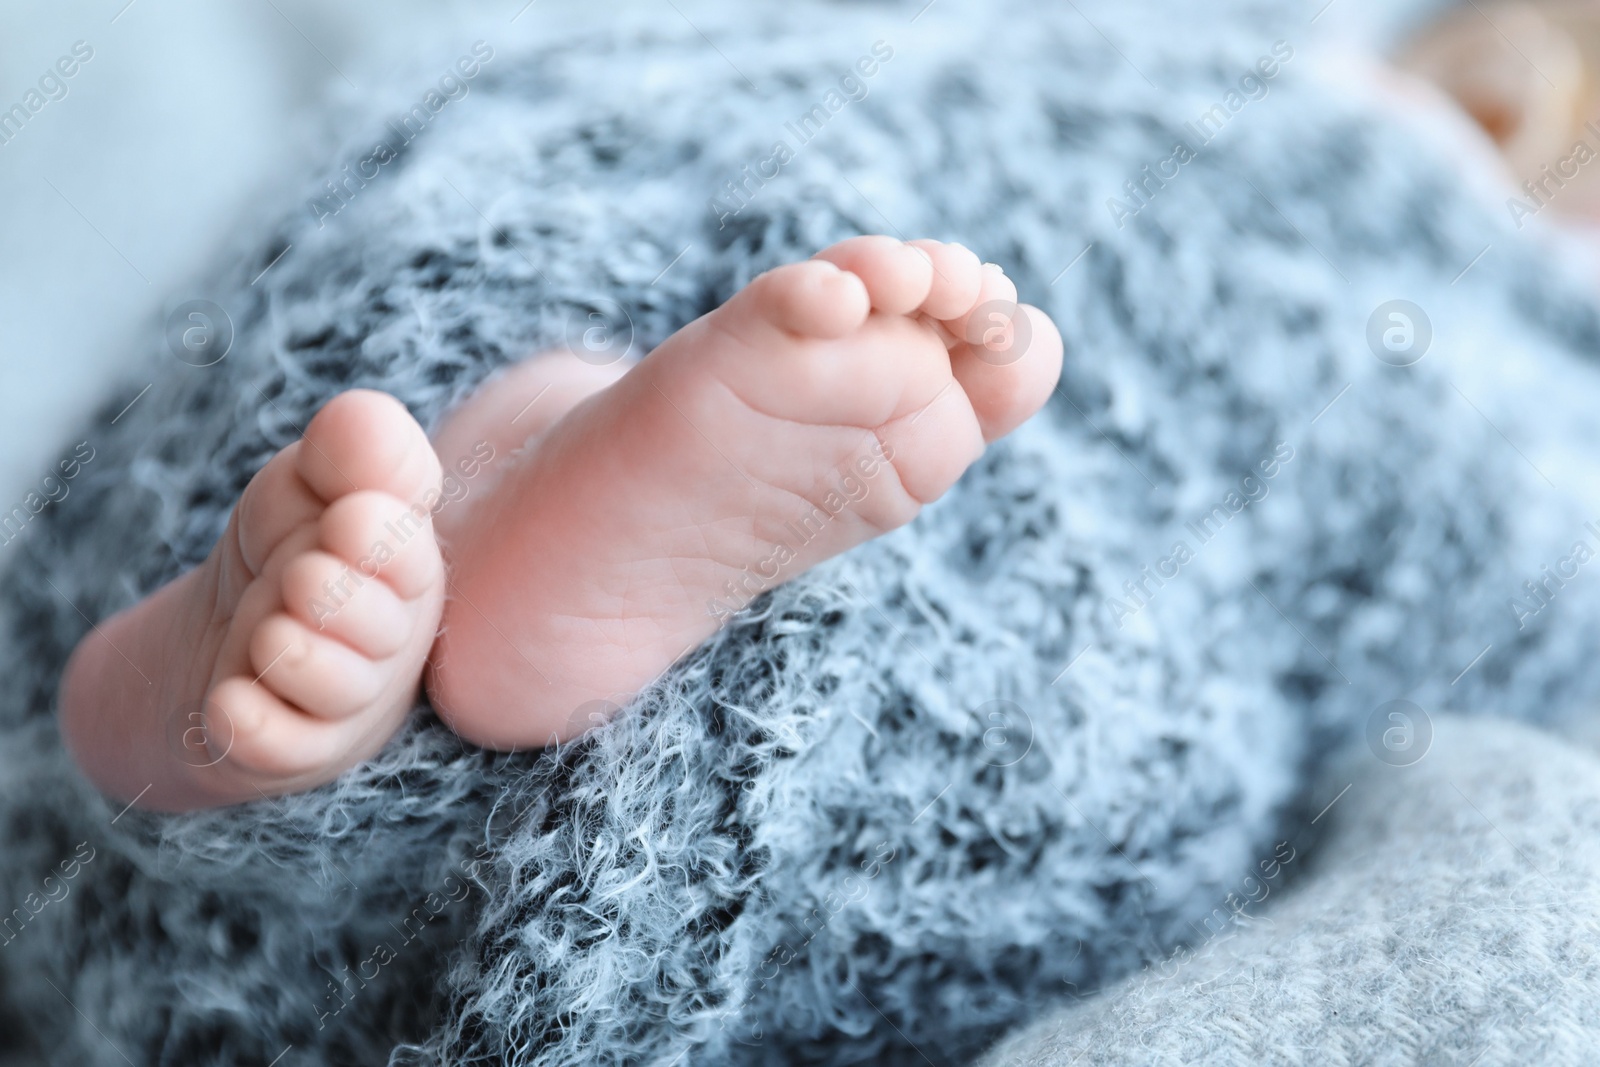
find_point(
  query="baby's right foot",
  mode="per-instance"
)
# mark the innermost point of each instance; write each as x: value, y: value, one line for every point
x: 820, y: 407
x: 296, y: 649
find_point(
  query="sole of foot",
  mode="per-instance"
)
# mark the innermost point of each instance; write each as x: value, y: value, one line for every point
x: 822, y: 406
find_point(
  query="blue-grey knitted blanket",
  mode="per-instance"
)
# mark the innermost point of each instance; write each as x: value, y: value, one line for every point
x: 1004, y: 754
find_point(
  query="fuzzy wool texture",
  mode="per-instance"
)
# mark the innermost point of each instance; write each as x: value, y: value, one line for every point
x: 915, y: 795
x: 1447, y: 916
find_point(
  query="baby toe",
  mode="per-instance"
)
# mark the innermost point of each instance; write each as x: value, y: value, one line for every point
x: 996, y: 302
x: 1011, y: 377
x: 328, y: 596
x: 366, y: 440
x: 317, y: 674
x: 251, y: 729
x: 931, y: 447
x: 957, y: 279
x: 382, y: 537
x: 275, y: 504
x: 898, y: 276
x: 811, y: 299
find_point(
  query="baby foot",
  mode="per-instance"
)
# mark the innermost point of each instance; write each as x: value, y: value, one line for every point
x: 296, y: 649
x: 822, y: 406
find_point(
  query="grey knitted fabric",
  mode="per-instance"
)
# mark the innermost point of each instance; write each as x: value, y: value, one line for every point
x: 1448, y: 915
x: 908, y: 798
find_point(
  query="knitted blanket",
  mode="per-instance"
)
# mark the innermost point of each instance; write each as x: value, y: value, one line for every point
x: 1448, y: 917
x: 1014, y: 749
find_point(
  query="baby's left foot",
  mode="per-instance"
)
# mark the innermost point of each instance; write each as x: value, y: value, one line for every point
x: 295, y: 650
x: 820, y: 407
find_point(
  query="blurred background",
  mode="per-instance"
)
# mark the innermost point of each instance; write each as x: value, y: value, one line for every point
x: 190, y: 120
x: 191, y: 125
